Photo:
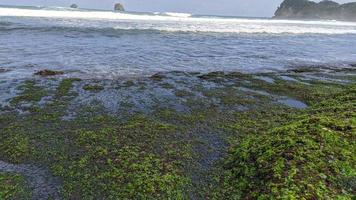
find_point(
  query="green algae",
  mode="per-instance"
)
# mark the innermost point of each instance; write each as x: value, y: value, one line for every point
x: 15, y: 145
x: 30, y: 93
x: 90, y: 87
x: 98, y: 149
x: 19, y: 135
x: 159, y: 155
x: 310, y: 157
x: 129, y: 160
x: 119, y: 171
x: 13, y: 186
x: 183, y: 93
x: 65, y: 86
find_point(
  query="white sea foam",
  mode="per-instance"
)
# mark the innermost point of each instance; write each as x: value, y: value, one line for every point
x: 174, y: 14
x: 185, y: 22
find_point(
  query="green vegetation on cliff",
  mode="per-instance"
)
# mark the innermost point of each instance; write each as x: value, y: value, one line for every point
x: 305, y: 9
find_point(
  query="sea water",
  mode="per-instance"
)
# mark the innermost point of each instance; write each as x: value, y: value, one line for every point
x: 105, y: 44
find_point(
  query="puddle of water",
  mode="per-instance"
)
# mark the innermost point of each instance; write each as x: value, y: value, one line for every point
x: 288, y: 78
x: 261, y: 92
x: 293, y: 103
x: 265, y: 78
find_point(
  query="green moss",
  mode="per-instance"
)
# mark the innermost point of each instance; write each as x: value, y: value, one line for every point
x: 23, y: 137
x: 93, y: 87
x: 183, y: 93
x: 53, y: 111
x: 311, y: 157
x: 122, y: 163
x: 13, y: 186
x: 65, y: 86
x: 167, y: 86
x: 168, y: 154
x: 30, y: 93
x: 14, y: 144
x: 310, y: 93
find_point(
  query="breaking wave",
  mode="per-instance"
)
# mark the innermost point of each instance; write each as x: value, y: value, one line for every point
x: 173, y: 22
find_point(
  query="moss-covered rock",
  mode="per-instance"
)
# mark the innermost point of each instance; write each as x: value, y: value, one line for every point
x: 48, y: 72
x: 30, y: 93
x: 15, y: 145
x: 90, y: 87
x: 173, y: 148
x: 311, y: 157
x: 121, y: 163
x: 13, y: 186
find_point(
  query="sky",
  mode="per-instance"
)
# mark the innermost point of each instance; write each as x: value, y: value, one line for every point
x: 252, y: 8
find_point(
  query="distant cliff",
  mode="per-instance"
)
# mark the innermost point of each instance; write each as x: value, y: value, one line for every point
x: 304, y: 9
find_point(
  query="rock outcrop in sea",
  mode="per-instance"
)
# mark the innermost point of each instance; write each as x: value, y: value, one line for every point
x: 74, y: 6
x: 119, y: 7
x: 305, y: 9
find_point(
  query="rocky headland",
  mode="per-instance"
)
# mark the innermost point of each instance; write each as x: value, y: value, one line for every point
x: 327, y: 10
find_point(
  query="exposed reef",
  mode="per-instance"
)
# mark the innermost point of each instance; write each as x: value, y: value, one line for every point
x: 178, y: 135
x: 47, y: 72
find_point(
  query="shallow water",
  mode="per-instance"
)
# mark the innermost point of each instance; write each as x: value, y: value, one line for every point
x: 103, y: 44
x: 293, y: 103
x: 42, y: 184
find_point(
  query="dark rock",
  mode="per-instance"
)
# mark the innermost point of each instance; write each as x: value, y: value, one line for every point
x: 212, y: 75
x: 157, y: 77
x: 119, y: 7
x: 74, y: 6
x: 303, y: 70
x: 3, y: 70
x: 238, y: 75
x: 47, y: 72
x: 305, y: 9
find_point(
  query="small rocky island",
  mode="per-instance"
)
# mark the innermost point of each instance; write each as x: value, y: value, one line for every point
x: 74, y: 6
x: 305, y: 9
x: 119, y: 7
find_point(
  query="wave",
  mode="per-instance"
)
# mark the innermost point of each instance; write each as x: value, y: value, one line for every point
x: 173, y: 22
x: 62, y: 12
x: 122, y: 30
x: 174, y: 14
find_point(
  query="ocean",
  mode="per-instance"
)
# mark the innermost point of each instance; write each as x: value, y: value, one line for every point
x: 110, y: 45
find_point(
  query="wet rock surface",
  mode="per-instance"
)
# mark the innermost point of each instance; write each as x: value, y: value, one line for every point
x: 3, y: 70
x: 42, y: 184
x: 77, y: 128
x: 47, y: 72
